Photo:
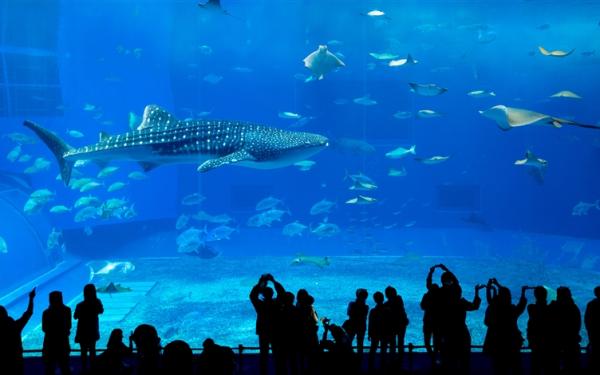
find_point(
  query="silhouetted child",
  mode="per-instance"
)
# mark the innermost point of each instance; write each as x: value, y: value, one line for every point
x: 88, y: 329
x: 113, y: 359
x: 261, y: 297
x: 216, y: 359
x: 338, y: 356
x: 11, y: 345
x: 592, y: 325
x: 503, y: 339
x: 178, y: 358
x: 565, y: 326
x: 147, y: 344
x: 537, y: 330
x: 56, y: 325
x: 377, y: 329
x: 397, y: 323
x: 356, y: 325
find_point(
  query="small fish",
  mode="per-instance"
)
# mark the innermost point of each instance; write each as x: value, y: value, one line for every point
x: 3, y: 246
x: 402, y: 115
x: 322, y: 207
x: 340, y: 101
x: 365, y: 100
x: 383, y: 56
x: 89, y: 107
x: 268, y: 203
x: 75, y: 134
x: 427, y: 89
x: 24, y: 158
x: 134, y: 121
x: 361, y: 200
x: 81, y: 163
x: 397, y: 172
x: 205, y: 50
x: 410, y: 224
x: 566, y: 94
x: 326, y: 229
x: 86, y: 213
x: 212, y: 78
x: 89, y: 200
x: 88, y: 230
x: 427, y: 113
x: 90, y: 186
x: 60, y: 209
x: 363, y: 186
x: 555, y: 53
x: 315, y: 261
x: 401, y: 152
x: 137, y: 175
x: 375, y: 13
x: 400, y: 62
x: 193, y: 199
x: 182, y: 222
x: 243, y: 69
x: 107, y: 171
x: 305, y: 165
x: 20, y: 138
x: 289, y: 115
x: 115, y: 186
x: 583, y: 208
x: 433, y: 160
x: 481, y: 94
x: 13, y: 154
x: 588, y: 53
x: 360, y: 177
x: 293, y: 229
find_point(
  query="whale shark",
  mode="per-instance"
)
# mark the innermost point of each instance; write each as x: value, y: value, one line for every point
x: 163, y: 139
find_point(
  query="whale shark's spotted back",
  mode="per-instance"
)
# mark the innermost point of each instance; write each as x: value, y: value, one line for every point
x: 161, y: 138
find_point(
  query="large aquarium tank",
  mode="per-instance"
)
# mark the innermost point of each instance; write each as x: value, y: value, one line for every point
x: 171, y: 152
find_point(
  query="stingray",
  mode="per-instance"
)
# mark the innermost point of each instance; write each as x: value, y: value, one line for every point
x: 321, y: 62
x: 537, y: 166
x: 400, y: 62
x: 427, y: 89
x: 565, y: 94
x: 508, y: 118
x: 113, y: 288
x: 555, y: 53
x: 215, y: 7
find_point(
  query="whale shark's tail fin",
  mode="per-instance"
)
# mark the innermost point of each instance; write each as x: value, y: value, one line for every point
x: 58, y: 148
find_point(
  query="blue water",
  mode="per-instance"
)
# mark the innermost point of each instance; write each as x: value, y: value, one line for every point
x: 87, y: 65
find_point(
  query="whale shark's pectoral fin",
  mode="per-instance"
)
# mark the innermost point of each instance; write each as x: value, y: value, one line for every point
x: 234, y: 157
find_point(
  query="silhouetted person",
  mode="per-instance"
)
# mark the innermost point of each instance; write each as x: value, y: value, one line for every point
x: 356, y: 325
x: 564, y: 338
x: 11, y: 346
x: 377, y: 329
x: 113, y: 359
x: 537, y: 331
x: 216, y: 359
x: 56, y: 325
x: 147, y: 344
x: 455, y: 338
x: 397, y: 321
x: 503, y: 339
x: 308, y: 341
x: 88, y: 328
x: 286, y: 332
x: 178, y: 359
x: 338, y: 355
x: 265, y: 306
x: 430, y: 306
x: 592, y: 325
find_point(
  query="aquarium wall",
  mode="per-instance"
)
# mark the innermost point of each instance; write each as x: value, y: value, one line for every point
x: 420, y: 166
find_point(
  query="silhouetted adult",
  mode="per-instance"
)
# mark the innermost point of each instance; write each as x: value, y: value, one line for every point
x: 308, y: 341
x: 397, y: 322
x: 148, y: 348
x: 88, y: 328
x: 261, y: 297
x: 286, y: 333
x: 377, y: 329
x: 11, y: 346
x: 56, y: 325
x: 356, y: 324
x: 537, y: 331
x: 503, y: 339
x: 565, y: 326
x: 216, y: 359
x: 592, y: 325
x: 113, y: 359
x: 178, y: 359
x: 455, y: 338
x: 430, y: 306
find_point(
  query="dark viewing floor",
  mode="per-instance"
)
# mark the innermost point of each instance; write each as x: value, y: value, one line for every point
x: 418, y: 363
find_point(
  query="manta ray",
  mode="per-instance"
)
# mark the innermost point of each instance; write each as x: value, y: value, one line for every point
x: 508, y: 118
x: 321, y: 62
x: 537, y: 166
x: 555, y: 53
x: 163, y: 139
